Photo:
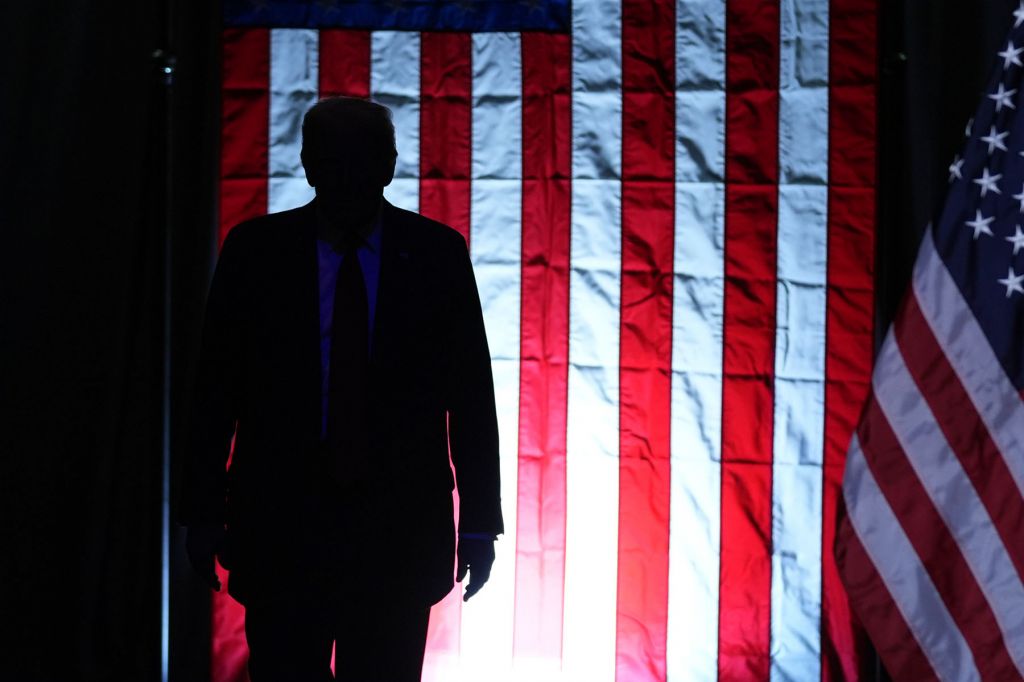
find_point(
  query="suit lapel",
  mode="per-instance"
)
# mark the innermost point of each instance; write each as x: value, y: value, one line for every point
x: 393, y: 281
x: 307, y: 313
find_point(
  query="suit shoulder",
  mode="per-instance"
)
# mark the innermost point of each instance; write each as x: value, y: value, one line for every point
x: 265, y: 228
x: 430, y: 232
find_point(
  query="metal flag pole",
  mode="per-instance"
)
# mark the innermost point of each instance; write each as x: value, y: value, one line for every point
x: 166, y: 63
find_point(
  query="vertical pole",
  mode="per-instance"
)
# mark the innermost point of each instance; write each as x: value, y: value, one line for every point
x: 165, y: 540
x: 167, y: 68
x: 166, y: 63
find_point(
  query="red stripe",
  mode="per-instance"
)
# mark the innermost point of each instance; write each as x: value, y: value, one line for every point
x: 751, y: 167
x: 446, y: 87
x: 648, y: 231
x: 245, y: 110
x: 850, y: 301
x: 344, y: 63
x: 965, y: 432
x: 903, y: 658
x: 934, y: 545
x: 446, y: 83
x: 544, y: 326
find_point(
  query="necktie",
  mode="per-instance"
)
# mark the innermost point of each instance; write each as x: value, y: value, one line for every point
x: 347, y: 389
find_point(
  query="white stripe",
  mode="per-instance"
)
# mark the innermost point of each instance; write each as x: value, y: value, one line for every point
x: 592, y: 466
x: 964, y: 344
x: 694, y: 541
x: 698, y: 298
x: 496, y: 249
x: 395, y: 83
x: 905, y: 577
x: 798, y: 433
x: 803, y: 92
x: 802, y: 252
x: 952, y: 492
x: 597, y: 90
x: 294, y: 88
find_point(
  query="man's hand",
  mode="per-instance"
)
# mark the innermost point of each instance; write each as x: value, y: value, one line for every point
x: 475, y: 556
x: 202, y: 543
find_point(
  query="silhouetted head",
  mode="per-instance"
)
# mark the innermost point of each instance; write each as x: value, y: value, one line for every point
x: 348, y: 151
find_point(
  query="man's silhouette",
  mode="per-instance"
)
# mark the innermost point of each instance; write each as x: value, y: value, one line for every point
x: 344, y: 350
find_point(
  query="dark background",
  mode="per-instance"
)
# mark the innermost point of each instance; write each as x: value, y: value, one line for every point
x: 99, y: 159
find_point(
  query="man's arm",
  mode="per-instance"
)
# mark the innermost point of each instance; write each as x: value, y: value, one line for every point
x: 215, y: 409
x: 473, y: 432
x: 472, y: 420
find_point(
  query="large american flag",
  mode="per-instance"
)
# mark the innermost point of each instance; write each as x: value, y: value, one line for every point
x: 933, y: 546
x: 670, y: 208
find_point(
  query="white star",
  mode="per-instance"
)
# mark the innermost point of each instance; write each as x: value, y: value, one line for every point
x: 1003, y: 97
x: 1017, y: 240
x: 533, y: 6
x: 1018, y: 15
x: 980, y: 224
x: 967, y: 130
x: 1011, y: 55
x: 1013, y: 283
x: 995, y: 139
x: 988, y: 182
x: 1020, y: 198
x: 955, y: 167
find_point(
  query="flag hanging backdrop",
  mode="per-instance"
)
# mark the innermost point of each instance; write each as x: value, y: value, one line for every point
x: 932, y: 549
x: 670, y: 208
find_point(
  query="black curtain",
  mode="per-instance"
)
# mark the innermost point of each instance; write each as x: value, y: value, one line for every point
x: 99, y: 156
x: 87, y: 122
x: 81, y: 471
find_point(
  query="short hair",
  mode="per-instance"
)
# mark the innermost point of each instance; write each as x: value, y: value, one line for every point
x: 331, y: 118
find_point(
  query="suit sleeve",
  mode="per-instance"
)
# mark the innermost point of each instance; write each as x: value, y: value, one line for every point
x: 472, y: 420
x: 216, y: 403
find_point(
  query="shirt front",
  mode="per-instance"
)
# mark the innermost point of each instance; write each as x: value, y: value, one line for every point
x: 328, y: 264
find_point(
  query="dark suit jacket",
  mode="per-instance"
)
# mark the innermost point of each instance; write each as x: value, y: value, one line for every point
x: 259, y: 379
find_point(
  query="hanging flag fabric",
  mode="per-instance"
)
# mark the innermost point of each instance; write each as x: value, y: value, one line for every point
x: 670, y: 209
x: 932, y: 546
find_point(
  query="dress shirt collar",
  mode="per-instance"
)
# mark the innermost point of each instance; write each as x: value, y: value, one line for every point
x: 370, y: 241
